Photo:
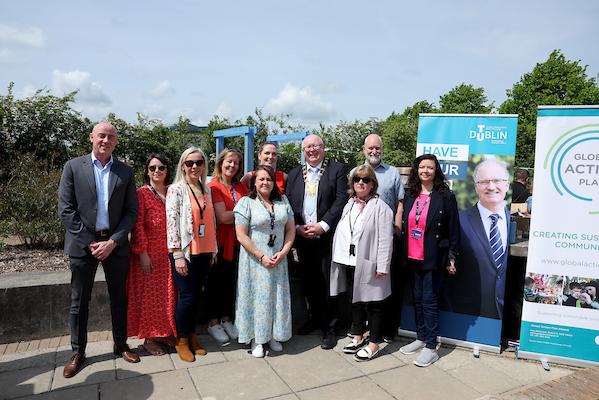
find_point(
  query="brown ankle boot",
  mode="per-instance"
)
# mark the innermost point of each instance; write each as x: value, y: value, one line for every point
x: 195, y: 346
x: 182, y: 348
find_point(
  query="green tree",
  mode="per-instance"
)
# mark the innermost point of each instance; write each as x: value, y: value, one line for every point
x: 345, y: 139
x: 465, y: 99
x: 400, y: 133
x: 557, y: 81
x: 42, y: 125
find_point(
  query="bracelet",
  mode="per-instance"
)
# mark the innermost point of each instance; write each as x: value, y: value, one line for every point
x: 178, y: 255
x: 261, y: 257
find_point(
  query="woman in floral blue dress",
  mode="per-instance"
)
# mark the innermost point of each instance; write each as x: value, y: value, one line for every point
x: 265, y: 229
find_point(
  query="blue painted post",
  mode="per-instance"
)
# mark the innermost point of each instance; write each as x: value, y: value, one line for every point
x: 248, y: 133
x: 289, y: 137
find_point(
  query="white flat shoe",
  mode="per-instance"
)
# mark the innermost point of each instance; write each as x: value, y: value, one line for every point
x: 257, y: 350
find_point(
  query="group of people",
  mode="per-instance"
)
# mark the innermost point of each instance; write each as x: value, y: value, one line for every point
x: 230, y: 239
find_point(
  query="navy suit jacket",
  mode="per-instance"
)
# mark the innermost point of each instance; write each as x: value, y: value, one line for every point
x: 478, y: 288
x: 78, y: 205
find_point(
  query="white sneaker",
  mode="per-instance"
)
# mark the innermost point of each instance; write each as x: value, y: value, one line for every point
x: 426, y: 357
x: 218, y: 333
x: 412, y: 347
x: 274, y: 345
x: 257, y: 350
x: 230, y: 329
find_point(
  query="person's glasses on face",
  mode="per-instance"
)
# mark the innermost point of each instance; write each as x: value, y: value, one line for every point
x: 487, y: 182
x: 191, y: 163
x: 312, y: 147
x: 364, y: 179
x: 160, y: 168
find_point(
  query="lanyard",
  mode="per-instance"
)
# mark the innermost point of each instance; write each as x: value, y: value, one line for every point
x: 197, y: 202
x: 232, y: 193
x: 271, y: 214
x: 419, y: 212
x: 158, y: 195
x: 351, y: 228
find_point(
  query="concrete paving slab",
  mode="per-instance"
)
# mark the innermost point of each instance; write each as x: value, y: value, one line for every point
x: 147, y: 365
x: 520, y: 370
x: 164, y: 385
x: 411, y: 382
x: 383, y: 361
x: 290, y: 396
x: 555, y: 372
x: 313, y: 367
x: 360, y: 388
x: 237, y: 351
x: 33, y: 345
x: 96, y: 369
x: 2, y: 348
x: 11, y: 348
x: 77, y: 393
x: 37, y: 358
x: 484, y: 378
x: 64, y: 353
x: 453, y: 357
x: 246, y: 379
x: 214, y: 355
x: 24, y: 382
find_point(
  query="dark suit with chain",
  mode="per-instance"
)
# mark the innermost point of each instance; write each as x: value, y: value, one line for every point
x: 315, y: 254
x: 77, y: 207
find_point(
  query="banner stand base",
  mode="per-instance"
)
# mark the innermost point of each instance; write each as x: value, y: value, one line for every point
x: 545, y: 359
x: 476, y: 347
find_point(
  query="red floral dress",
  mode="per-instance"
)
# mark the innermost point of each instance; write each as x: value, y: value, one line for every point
x: 152, y: 297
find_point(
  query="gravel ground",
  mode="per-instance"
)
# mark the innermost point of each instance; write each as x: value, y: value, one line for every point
x: 19, y: 259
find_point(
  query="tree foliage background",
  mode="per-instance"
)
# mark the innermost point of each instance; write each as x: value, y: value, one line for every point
x: 38, y: 134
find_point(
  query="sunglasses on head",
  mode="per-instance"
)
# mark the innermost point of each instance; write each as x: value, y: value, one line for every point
x: 364, y: 179
x: 191, y: 163
x: 152, y: 168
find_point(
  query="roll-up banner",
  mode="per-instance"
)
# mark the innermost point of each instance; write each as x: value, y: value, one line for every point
x: 472, y: 301
x: 560, y: 315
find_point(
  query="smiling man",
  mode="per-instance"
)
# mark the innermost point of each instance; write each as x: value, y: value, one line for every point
x: 479, y: 285
x: 317, y: 192
x: 97, y: 204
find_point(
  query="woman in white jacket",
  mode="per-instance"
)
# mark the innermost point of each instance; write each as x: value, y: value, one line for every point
x: 362, y: 248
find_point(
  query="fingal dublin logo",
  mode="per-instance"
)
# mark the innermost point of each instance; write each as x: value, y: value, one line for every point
x: 573, y: 161
x: 493, y: 134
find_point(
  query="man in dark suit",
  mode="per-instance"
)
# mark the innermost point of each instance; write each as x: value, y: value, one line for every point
x: 479, y: 285
x: 97, y: 204
x: 317, y: 192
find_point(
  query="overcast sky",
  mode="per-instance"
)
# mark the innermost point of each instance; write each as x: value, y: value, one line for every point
x: 322, y: 61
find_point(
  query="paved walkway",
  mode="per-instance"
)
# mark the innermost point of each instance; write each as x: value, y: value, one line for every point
x: 301, y: 371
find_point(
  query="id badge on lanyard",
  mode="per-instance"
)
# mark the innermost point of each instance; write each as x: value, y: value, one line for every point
x: 416, y: 233
x: 202, y: 230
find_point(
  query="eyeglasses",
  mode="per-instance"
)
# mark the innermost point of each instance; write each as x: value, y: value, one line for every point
x: 364, y: 179
x: 312, y: 147
x: 161, y: 168
x: 487, y: 182
x: 191, y: 163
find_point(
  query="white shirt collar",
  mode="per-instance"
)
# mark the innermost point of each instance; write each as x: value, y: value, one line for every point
x: 485, y: 213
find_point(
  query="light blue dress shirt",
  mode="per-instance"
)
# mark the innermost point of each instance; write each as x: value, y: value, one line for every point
x: 102, y: 175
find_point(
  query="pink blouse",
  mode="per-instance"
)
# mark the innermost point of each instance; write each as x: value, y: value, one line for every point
x: 416, y: 246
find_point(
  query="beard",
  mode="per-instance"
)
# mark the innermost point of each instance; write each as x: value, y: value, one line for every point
x: 373, y: 160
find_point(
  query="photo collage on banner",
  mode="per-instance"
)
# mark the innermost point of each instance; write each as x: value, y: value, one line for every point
x: 560, y: 314
x: 472, y: 301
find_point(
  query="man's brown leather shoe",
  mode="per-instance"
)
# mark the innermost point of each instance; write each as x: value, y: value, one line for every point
x: 127, y: 354
x: 73, y: 365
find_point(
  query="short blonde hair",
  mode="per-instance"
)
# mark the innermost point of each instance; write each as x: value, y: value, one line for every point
x: 180, y: 174
x: 363, y: 170
x: 218, y: 165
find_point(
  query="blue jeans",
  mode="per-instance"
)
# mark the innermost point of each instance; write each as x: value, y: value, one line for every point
x: 426, y: 286
x: 189, y: 288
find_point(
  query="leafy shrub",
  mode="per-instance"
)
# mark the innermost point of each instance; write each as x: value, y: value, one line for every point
x: 29, y: 204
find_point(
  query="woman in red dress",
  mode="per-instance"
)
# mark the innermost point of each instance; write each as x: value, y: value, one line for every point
x: 152, y: 296
x: 268, y: 155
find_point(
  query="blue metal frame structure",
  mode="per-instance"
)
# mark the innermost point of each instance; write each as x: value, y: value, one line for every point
x: 289, y: 137
x: 248, y: 133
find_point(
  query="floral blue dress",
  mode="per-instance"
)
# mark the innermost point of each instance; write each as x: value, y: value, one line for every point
x: 263, y: 301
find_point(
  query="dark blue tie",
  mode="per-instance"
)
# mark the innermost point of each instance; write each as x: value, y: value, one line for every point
x: 495, y: 240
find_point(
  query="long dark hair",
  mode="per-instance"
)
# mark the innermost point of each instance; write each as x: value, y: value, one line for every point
x: 274, y: 194
x: 164, y: 160
x: 439, y: 181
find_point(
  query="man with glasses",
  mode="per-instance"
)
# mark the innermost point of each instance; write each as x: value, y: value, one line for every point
x: 478, y: 288
x: 317, y: 192
x: 97, y: 204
